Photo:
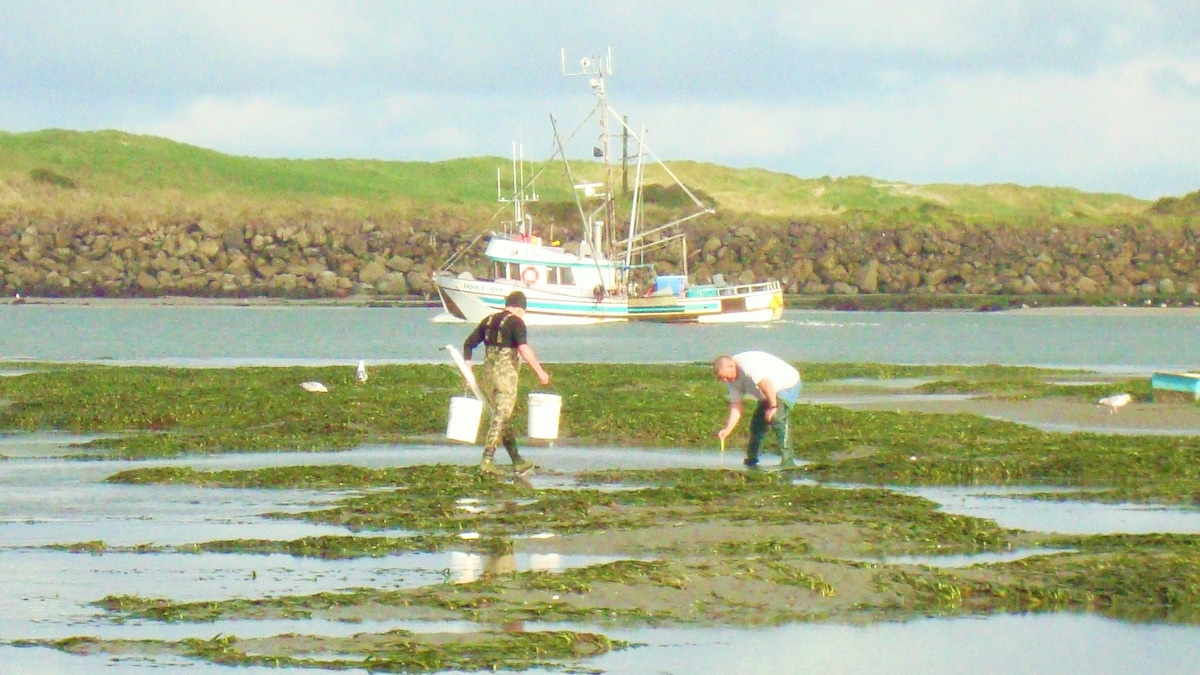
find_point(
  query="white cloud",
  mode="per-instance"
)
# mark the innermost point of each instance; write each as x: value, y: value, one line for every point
x: 1092, y: 95
x: 252, y: 125
x: 318, y: 31
x: 1087, y: 130
x: 878, y: 26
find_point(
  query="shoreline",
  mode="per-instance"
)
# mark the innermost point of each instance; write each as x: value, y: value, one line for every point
x: 413, y: 303
x: 259, y: 301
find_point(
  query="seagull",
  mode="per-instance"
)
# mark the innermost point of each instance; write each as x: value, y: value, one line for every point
x: 361, y: 373
x: 314, y: 387
x: 1115, y: 402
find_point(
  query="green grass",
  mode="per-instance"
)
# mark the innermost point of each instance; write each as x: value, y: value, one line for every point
x: 118, y: 164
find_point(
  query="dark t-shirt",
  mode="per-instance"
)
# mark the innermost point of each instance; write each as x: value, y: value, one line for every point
x: 501, y: 329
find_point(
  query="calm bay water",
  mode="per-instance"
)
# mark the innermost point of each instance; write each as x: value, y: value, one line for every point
x: 1105, y: 340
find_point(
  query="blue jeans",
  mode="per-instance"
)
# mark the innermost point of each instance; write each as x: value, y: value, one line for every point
x: 780, y: 424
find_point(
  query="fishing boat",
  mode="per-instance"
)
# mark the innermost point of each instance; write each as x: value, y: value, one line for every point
x: 1175, y: 386
x: 612, y: 272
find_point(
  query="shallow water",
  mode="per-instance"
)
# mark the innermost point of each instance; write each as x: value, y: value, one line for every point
x: 962, y: 560
x: 1003, y: 645
x: 1008, y: 509
x: 45, y: 499
x: 1064, y: 428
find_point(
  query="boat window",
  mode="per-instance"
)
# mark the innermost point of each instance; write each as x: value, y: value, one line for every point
x: 565, y: 276
x: 514, y: 271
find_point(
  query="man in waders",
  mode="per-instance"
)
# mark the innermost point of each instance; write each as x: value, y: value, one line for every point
x: 503, y: 336
x: 775, y: 385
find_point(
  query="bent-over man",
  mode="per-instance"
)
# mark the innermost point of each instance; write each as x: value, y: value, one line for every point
x: 775, y: 385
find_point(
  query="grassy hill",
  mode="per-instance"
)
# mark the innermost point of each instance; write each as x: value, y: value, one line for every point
x: 116, y: 165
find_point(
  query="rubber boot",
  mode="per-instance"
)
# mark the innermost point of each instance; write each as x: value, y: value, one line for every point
x: 520, y: 466
x: 787, y: 459
x: 488, y: 465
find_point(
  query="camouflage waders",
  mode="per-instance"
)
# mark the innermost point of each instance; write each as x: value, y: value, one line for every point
x: 499, y: 385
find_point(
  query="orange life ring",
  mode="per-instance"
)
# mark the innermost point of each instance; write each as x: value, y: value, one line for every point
x: 530, y: 275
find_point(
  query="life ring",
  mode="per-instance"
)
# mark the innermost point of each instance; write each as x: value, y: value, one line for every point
x: 530, y: 275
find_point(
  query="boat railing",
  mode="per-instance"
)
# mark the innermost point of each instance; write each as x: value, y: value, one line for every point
x: 743, y: 289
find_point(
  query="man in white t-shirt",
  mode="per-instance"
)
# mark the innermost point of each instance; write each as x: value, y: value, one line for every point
x: 775, y: 385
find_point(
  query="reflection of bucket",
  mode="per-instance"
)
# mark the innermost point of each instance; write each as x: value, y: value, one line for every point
x: 543, y: 415
x: 465, y: 413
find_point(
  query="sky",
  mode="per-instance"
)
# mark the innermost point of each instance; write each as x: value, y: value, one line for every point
x: 1098, y: 95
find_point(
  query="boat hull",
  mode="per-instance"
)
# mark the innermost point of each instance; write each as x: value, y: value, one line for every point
x: 1175, y: 386
x: 556, y: 305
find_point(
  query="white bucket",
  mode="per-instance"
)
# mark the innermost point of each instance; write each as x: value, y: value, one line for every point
x: 543, y: 415
x: 465, y: 413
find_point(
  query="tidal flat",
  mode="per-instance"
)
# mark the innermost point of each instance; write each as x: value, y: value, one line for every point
x: 834, y: 541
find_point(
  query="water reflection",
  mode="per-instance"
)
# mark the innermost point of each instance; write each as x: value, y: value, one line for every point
x: 467, y: 567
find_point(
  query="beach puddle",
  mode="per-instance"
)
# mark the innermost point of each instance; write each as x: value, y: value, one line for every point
x: 874, y: 383
x: 1112, y: 428
x: 962, y: 560
x: 39, y: 444
x: 1008, y: 509
x: 847, y: 400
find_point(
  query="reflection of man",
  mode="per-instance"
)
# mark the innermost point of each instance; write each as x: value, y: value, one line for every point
x: 496, y: 565
x: 775, y: 385
x: 503, y: 335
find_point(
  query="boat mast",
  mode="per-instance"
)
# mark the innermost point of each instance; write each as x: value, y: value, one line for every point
x: 521, y: 193
x: 595, y: 69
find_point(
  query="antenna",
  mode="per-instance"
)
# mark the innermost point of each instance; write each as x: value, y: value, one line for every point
x: 590, y: 65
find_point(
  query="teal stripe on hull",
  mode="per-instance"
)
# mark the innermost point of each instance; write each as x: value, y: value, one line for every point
x: 609, y: 310
x: 1171, y: 382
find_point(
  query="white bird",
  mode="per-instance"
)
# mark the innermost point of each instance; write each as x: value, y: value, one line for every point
x: 1115, y: 402
x: 361, y: 373
x: 314, y: 387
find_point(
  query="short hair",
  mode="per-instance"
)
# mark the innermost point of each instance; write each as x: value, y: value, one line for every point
x: 721, y: 362
x: 515, y: 299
